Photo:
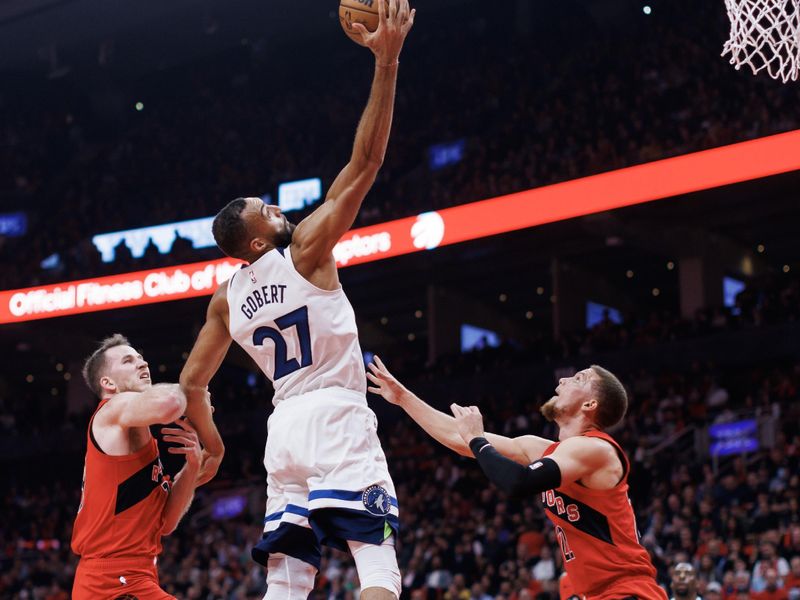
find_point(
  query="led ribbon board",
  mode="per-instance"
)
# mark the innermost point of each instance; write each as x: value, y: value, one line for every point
x: 115, y: 291
x: 625, y: 187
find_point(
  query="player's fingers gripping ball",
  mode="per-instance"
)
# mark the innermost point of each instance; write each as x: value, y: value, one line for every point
x: 359, y: 11
x: 361, y: 18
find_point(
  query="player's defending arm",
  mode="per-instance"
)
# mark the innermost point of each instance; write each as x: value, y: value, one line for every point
x: 316, y: 235
x: 204, y: 360
x: 161, y: 403
x: 574, y: 459
x: 442, y: 427
x: 182, y: 490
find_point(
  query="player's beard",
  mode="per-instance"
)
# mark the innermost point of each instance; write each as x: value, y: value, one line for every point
x: 284, y: 238
x: 549, y: 410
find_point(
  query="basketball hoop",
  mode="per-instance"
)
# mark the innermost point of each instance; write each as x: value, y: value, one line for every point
x: 765, y: 34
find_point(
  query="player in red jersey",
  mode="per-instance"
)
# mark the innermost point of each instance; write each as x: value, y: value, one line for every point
x: 582, y: 478
x: 127, y: 502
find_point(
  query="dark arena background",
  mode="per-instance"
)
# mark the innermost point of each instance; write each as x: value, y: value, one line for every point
x: 643, y: 202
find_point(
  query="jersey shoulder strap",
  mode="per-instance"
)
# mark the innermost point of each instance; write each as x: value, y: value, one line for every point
x: 92, y: 441
x: 626, y: 466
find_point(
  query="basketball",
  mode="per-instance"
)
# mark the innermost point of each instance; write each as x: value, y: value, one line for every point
x: 358, y: 11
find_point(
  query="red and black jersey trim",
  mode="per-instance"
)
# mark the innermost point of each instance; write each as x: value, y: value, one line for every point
x: 591, y: 521
x: 139, y: 486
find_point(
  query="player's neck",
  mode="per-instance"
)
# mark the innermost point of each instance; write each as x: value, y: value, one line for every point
x: 251, y: 258
x: 574, y: 427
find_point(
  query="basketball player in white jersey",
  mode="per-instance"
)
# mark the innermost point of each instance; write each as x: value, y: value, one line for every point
x: 327, y: 477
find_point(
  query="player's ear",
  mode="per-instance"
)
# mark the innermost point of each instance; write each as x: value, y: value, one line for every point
x: 258, y: 245
x: 108, y: 384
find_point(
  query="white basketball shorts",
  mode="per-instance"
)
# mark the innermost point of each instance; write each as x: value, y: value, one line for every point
x: 327, y: 477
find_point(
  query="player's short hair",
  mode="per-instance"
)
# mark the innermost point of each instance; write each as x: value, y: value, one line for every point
x: 96, y: 363
x: 229, y: 229
x: 611, y: 396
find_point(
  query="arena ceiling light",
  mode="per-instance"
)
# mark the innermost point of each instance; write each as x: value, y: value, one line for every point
x: 625, y: 187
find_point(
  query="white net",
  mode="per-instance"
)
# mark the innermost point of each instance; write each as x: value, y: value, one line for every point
x: 765, y: 34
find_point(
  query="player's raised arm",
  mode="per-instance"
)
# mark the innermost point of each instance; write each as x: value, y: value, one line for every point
x: 315, y: 236
x: 442, y: 427
x: 204, y: 360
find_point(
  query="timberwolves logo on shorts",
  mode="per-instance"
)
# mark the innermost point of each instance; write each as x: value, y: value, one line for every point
x: 376, y: 500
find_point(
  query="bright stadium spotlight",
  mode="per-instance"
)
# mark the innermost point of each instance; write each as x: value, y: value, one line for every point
x: 647, y: 9
x: 139, y: 106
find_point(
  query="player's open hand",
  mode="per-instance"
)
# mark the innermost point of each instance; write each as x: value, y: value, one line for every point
x: 186, y: 436
x: 469, y: 422
x: 386, y: 384
x: 395, y: 19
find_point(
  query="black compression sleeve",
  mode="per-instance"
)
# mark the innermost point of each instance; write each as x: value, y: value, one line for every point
x: 511, y: 477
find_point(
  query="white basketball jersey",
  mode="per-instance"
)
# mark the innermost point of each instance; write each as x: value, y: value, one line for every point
x: 302, y: 337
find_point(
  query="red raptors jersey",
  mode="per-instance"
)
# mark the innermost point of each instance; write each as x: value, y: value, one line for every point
x: 597, y: 531
x: 122, y: 505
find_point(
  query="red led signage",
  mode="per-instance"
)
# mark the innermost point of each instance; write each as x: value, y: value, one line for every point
x: 634, y: 185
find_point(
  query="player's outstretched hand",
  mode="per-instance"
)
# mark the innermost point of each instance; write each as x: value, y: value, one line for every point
x: 186, y: 436
x: 469, y: 422
x: 396, y: 19
x: 386, y: 384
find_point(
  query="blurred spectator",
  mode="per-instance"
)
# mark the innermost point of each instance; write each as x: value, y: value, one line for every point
x: 773, y: 587
x: 768, y: 562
